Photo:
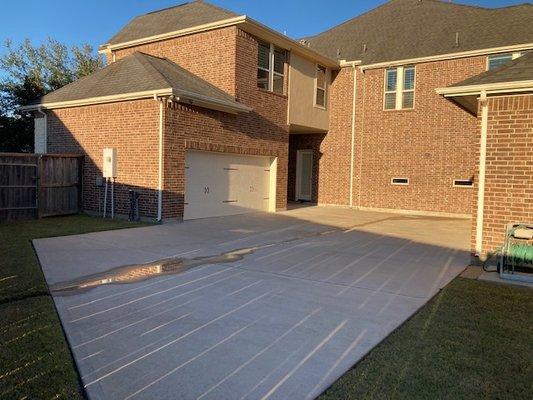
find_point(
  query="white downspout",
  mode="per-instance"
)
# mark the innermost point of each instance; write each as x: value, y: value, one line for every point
x: 481, y: 179
x: 353, y: 133
x: 160, y: 177
x: 45, y: 133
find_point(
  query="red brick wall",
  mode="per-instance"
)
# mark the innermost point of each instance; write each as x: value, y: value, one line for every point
x: 509, y: 169
x: 228, y: 59
x: 210, y: 55
x: 334, y: 177
x: 132, y: 127
x: 264, y: 131
x: 431, y: 144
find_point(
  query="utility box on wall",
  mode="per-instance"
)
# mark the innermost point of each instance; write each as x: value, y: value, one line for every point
x: 109, y: 167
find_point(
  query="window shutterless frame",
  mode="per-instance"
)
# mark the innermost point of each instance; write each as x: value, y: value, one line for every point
x: 408, y: 87
x: 390, y: 88
x: 320, y: 88
x: 403, y: 86
x: 271, y: 72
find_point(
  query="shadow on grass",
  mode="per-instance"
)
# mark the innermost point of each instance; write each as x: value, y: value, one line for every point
x: 35, y: 361
x: 473, y: 340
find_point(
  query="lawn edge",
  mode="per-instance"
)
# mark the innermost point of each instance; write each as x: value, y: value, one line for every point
x: 415, y: 312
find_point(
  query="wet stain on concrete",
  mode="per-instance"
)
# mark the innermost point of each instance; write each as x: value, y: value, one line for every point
x: 140, y: 272
x: 168, y: 266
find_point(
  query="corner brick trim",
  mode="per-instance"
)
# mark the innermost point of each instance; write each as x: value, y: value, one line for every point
x: 224, y: 148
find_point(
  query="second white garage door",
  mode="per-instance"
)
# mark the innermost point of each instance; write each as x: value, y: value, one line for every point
x: 218, y: 184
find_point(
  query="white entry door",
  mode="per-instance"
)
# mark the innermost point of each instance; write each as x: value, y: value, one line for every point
x: 218, y: 184
x: 304, y: 175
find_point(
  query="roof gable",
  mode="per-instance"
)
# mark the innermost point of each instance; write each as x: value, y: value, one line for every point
x: 171, y: 19
x: 405, y: 29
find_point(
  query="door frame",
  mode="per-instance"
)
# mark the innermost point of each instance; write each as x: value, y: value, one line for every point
x: 299, y: 154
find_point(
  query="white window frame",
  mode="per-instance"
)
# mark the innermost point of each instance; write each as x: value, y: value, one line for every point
x: 399, y: 183
x: 270, y: 70
x: 267, y: 70
x: 385, y: 91
x: 514, y: 56
x: 399, y: 88
x: 463, y: 186
x: 325, y: 88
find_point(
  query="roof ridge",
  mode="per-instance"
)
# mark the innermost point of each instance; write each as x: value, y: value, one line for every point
x: 145, y: 61
x: 188, y: 3
x: 186, y: 71
x: 167, y: 8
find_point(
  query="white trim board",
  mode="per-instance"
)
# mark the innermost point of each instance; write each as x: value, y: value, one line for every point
x: 247, y: 24
x: 449, y: 56
x: 489, y: 88
x: 184, y: 97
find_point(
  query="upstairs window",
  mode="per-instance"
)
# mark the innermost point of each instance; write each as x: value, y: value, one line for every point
x: 391, y: 79
x: 408, y: 98
x: 497, y: 60
x: 263, y: 66
x: 271, y: 68
x: 320, y: 86
x: 399, y: 88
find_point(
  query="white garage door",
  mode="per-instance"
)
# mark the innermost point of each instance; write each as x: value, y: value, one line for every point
x: 219, y: 184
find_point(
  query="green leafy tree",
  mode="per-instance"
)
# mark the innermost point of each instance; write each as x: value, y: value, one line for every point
x: 28, y: 72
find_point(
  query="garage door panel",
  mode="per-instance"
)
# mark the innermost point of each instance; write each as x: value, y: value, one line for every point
x: 220, y: 184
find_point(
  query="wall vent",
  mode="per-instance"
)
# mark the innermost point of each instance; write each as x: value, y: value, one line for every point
x: 463, y: 183
x: 399, y: 181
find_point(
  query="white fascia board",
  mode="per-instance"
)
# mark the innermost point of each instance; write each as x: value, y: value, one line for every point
x: 190, y: 98
x: 99, y: 100
x: 450, y: 56
x: 185, y: 97
x: 489, y: 88
x: 181, y: 32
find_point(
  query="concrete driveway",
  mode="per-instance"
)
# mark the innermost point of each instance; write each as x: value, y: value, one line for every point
x: 257, y: 306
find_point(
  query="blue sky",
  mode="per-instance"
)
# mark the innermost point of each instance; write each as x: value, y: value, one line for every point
x: 95, y: 21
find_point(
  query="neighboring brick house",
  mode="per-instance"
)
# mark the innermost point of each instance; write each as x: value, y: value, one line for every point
x: 502, y: 99
x: 239, y: 117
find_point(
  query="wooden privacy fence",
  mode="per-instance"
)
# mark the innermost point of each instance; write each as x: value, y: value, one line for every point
x: 35, y: 185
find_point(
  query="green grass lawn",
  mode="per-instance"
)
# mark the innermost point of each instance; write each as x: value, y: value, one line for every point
x: 472, y: 341
x: 35, y: 362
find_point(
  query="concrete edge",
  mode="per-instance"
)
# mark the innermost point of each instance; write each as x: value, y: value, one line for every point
x: 401, y: 211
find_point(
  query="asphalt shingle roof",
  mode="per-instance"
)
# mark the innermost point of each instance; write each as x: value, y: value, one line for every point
x: 520, y: 69
x: 404, y: 29
x: 171, y: 19
x: 137, y: 72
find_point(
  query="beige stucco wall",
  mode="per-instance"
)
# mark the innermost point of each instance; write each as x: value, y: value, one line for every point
x: 302, y: 110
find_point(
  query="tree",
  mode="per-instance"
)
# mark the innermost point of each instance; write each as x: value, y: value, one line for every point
x: 30, y: 72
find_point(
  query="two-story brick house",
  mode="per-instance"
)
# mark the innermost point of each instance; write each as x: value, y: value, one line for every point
x: 213, y: 113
